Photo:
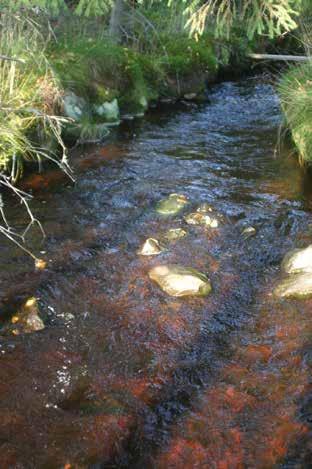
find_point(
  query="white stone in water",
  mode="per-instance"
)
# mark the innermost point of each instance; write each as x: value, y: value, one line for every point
x: 298, y: 261
x: 33, y: 323
x: 28, y: 317
x: 249, y: 231
x: 190, y: 96
x: 204, y: 208
x: 151, y: 247
x: 214, y: 223
x: 178, y: 281
x: 172, y: 205
x: 298, y: 286
x: 198, y: 218
x: 175, y: 233
x: 167, y: 100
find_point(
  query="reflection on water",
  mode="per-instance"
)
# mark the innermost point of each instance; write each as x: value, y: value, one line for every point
x: 124, y: 375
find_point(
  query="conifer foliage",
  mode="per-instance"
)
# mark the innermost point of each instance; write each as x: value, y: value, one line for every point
x: 270, y: 17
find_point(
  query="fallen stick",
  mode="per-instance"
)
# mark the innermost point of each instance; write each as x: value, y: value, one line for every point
x: 286, y: 58
x: 4, y: 57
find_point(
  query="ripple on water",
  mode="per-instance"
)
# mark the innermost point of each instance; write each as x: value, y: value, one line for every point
x: 124, y: 375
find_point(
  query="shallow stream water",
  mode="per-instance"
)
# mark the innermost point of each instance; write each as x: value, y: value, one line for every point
x: 124, y: 375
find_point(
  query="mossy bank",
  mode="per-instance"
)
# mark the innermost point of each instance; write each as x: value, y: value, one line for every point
x: 103, y: 82
x: 67, y: 80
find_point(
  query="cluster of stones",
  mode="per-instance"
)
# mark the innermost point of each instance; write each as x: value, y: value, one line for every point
x: 298, y: 284
x: 177, y: 280
x: 100, y: 117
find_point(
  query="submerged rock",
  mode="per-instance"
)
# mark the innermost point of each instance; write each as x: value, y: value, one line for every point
x: 176, y: 280
x: 172, y: 204
x: 190, y: 96
x: 249, y: 231
x: 298, y: 261
x: 27, y: 319
x: 175, y: 233
x: 167, y: 100
x: 295, y: 286
x: 199, y: 218
x: 151, y: 247
x: 127, y: 117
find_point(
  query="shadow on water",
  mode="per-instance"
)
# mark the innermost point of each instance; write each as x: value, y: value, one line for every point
x: 125, y: 376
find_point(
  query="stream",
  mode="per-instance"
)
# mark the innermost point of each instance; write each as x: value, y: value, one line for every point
x: 123, y: 375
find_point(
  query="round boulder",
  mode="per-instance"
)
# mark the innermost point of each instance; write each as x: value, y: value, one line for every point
x: 172, y: 204
x: 179, y: 281
x: 298, y: 261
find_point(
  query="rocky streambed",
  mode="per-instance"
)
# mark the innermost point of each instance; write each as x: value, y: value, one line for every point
x: 164, y: 331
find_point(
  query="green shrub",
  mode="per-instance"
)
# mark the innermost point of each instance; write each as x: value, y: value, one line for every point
x: 185, y: 55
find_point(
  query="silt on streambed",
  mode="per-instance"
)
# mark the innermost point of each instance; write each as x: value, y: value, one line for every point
x: 124, y: 375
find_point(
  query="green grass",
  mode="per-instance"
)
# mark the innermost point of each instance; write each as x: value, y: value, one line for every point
x: 99, y: 70
x: 295, y: 90
x: 28, y: 95
x: 79, y: 57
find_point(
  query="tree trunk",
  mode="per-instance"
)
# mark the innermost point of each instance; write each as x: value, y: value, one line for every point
x: 115, y: 22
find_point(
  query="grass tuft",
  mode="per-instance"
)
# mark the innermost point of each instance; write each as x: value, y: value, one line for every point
x: 295, y: 90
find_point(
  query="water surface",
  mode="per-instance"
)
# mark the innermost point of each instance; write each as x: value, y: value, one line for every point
x: 124, y: 375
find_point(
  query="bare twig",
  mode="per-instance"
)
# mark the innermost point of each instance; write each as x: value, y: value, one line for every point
x: 24, y: 197
x: 12, y: 59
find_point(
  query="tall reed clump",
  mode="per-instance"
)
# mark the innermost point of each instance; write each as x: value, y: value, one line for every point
x: 29, y: 96
x: 30, y: 128
x: 295, y: 90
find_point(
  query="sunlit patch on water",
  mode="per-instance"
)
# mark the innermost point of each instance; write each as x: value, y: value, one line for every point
x: 124, y: 375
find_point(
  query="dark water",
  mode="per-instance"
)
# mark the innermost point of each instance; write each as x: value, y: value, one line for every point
x: 124, y: 375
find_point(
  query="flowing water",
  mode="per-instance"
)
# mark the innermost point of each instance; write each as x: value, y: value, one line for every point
x: 124, y: 375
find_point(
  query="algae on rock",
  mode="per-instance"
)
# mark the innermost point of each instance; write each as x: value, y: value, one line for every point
x: 172, y: 204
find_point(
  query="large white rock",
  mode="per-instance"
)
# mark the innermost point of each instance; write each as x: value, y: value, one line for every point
x: 176, y: 280
x: 108, y: 111
x: 295, y: 286
x: 75, y: 107
x: 298, y: 260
